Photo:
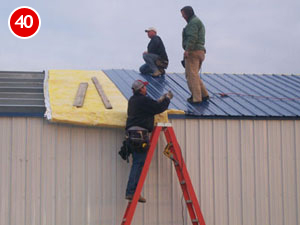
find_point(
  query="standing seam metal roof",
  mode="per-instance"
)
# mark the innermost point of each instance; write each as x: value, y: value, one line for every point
x: 232, y: 95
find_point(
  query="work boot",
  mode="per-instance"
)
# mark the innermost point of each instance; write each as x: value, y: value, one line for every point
x: 190, y: 98
x: 206, y: 98
x: 156, y: 73
x: 162, y: 70
x: 130, y: 197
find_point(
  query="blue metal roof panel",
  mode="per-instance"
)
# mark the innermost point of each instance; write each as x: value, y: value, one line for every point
x: 252, y: 90
x: 231, y: 95
x: 279, y: 91
x: 234, y: 91
x: 297, y: 77
x: 289, y: 83
x: 218, y: 85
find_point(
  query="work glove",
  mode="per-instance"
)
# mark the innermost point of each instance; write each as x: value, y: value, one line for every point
x: 168, y: 95
x: 161, y: 98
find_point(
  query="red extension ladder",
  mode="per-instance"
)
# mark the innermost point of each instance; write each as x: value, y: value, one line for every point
x: 173, y: 151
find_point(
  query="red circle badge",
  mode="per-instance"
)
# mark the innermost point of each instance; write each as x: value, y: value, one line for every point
x: 24, y: 22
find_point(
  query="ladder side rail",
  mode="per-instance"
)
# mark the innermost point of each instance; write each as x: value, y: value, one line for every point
x: 186, y: 195
x: 178, y: 169
x: 126, y: 212
x: 132, y: 205
x: 169, y: 133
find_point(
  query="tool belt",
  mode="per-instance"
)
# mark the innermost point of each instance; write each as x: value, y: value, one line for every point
x: 137, y: 139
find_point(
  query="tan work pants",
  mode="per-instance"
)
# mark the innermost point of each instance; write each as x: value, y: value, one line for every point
x: 193, y: 64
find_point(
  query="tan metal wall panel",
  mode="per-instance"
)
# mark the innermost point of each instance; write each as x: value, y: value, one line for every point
x: 234, y: 172
x: 33, y: 171
x: 275, y: 172
x: 206, y: 198
x: 5, y: 169
x: 220, y: 175
x: 247, y: 168
x: 244, y: 172
x: 289, y: 172
x: 78, y: 176
x: 108, y: 175
x: 48, y: 178
x: 93, y: 179
x: 63, y: 175
x: 297, y: 153
x: 261, y: 172
x: 18, y: 171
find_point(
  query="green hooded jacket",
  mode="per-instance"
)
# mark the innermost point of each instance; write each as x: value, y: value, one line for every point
x: 193, y: 35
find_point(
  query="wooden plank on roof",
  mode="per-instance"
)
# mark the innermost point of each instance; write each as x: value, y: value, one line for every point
x: 102, y: 94
x: 80, y: 95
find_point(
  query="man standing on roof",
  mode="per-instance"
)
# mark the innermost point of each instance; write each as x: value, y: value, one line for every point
x: 193, y: 40
x: 156, y: 59
x: 140, y: 121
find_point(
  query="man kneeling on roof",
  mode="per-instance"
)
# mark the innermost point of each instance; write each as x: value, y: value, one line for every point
x: 140, y: 122
x: 156, y: 59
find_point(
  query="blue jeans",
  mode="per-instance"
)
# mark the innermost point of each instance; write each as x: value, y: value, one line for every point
x: 135, y: 172
x: 150, y: 66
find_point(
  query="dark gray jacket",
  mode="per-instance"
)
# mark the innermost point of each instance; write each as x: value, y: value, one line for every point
x: 141, y: 111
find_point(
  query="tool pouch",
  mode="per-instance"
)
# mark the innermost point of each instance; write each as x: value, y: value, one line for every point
x: 125, y: 151
x: 138, y: 140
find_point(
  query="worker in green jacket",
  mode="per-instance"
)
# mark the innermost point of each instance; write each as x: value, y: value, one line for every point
x: 193, y: 41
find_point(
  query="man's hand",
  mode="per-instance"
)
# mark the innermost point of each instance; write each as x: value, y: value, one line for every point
x: 145, y: 52
x: 162, y: 98
x: 185, y: 54
x: 169, y: 95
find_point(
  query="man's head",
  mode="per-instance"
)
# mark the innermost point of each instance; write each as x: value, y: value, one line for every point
x: 151, y: 31
x: 187, y: 12
x: 139, y: 86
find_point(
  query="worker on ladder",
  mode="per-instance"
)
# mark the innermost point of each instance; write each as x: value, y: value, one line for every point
x: 140, y: 122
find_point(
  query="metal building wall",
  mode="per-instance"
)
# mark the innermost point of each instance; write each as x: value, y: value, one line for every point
x: 244, y: 172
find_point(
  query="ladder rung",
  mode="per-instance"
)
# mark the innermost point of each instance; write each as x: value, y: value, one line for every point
x: 182, y: 182
x: 124, y: 219
x: 195, y: 221
x: 189, y: 201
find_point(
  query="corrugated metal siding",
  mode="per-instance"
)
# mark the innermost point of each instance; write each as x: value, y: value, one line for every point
x: 246, y: 95
x: 21, y: 93
x: 243, y: 171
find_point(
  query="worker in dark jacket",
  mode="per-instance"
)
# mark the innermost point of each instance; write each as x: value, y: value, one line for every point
x: 140, y: 121
x: 156, y: 59
x: 193, y: 40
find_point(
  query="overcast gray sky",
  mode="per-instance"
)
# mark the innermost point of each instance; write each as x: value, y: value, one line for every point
x: 257, y: 36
